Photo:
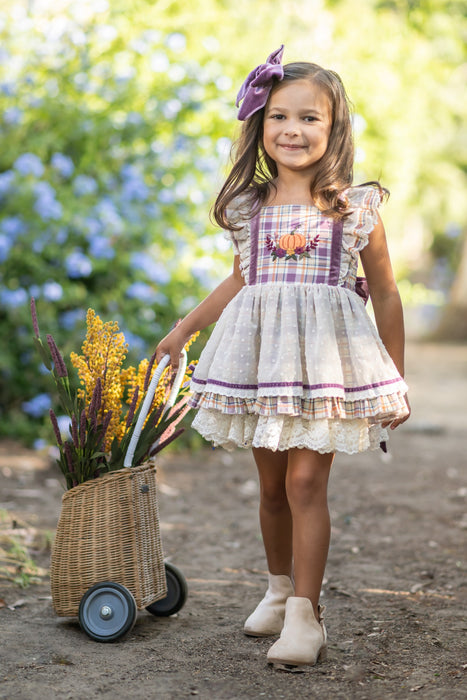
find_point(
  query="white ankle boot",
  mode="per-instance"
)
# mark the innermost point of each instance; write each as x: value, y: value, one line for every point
x: 303, y: 638
x: 268, y: 617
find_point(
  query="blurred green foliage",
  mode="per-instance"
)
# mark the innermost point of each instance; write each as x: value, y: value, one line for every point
x: 116, y: 124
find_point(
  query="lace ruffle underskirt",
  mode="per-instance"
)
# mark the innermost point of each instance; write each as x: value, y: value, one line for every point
x: 282, y: 432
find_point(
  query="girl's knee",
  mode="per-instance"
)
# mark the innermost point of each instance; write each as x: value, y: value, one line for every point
x: 273, y: 497
x: 307, y: 486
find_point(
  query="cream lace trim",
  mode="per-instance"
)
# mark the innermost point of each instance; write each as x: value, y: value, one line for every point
x: 284, y: 432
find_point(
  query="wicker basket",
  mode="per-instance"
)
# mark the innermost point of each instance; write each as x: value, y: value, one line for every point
x: 109, y: 531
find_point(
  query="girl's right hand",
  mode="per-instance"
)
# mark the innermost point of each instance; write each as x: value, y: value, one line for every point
x: 172, y: 345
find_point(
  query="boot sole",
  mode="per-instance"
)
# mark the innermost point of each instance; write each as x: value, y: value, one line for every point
x: 298, y: 666
x: 252, y: 633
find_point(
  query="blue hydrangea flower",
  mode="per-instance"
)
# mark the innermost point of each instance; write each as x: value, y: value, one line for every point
x: 13, y: 115
x: 61, y: 236
x: 8, y: 89
x: 53, y: 291
x: 109, y: 216
x: 78, y: 265
x: 136, y: 343
x: 92, y: 226
x: 46, y: 205
x: 84, y: 185
x: 166, y: 196
x: 62, y: 164
x: 13, y: 298
x: 5, y: 247
x: 13, y: 226
x: 6, y: 181
x: 49, y: 209
x: 37, y: 406
x: 140, y: 291
x: 134, y: 187
x: 99, y: 247
x: 29, y: 164
x: 154, y: 270
x: 69, y: 319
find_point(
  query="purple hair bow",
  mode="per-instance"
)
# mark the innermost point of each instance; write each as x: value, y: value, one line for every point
x: 256, y: 88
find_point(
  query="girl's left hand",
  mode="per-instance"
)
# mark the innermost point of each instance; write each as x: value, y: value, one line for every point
x: 393, y: 424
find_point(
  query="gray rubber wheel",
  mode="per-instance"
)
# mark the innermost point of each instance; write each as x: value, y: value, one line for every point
x: 177, y: 591
x: 107, y: 611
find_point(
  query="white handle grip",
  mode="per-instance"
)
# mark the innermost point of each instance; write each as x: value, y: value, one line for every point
x: 148, y: 401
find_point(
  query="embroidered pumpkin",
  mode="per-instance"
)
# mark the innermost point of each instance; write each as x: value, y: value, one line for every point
x: 290, y: 241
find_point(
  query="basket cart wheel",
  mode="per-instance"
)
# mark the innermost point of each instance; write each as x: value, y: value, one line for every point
x: 177, y: 591
x: 107, y: 611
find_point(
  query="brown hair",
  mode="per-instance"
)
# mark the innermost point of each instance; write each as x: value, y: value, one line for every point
x: 253, y: 170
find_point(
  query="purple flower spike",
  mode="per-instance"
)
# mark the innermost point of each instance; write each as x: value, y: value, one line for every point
x: 74, y: 431
x: 60, y: 366
x: 35, y: 323
x: 54, y: 421
x: 82, y: 429
x: 69, y: 460
x: 95, y: 404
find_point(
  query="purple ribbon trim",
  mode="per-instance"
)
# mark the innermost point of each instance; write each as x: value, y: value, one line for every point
x: 271, y: 385
x: 254, y: 233
x: 336, y: 249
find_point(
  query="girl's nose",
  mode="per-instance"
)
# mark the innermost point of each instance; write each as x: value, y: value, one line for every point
x: 291, y: 129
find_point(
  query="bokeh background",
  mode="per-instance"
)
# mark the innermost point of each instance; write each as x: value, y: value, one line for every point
x: 117, y: 118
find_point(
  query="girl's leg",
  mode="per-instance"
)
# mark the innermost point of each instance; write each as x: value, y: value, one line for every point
x: 306, y: 485
x: 276, y: 526
x: 274, y: 511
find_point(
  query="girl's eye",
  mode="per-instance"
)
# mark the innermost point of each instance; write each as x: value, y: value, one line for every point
x: 310, y: 119
x: 277, y: 116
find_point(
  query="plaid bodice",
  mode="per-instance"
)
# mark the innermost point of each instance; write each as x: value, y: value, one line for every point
x: 294, y: 244
x: 298, y: 244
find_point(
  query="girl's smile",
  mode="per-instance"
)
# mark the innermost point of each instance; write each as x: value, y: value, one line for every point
x: 297, y: 125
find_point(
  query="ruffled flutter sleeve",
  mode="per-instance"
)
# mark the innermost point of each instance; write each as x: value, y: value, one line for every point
x: 238, y: 213
x: 363, y: 204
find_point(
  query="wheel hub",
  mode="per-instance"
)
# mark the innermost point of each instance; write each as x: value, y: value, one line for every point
x: 106, y: 612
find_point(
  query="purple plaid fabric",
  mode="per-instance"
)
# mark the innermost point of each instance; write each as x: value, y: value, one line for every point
x: 271, y: 263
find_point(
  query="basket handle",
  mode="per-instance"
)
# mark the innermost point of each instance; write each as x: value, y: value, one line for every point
x: 148, y: 401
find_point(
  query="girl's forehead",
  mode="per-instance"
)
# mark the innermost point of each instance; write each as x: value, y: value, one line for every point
x: 296, y: 92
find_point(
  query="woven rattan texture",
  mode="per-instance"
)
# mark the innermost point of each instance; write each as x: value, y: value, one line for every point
x: 108, y: 530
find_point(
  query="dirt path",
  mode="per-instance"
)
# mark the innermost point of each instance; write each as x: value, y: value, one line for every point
x: 394, y: 590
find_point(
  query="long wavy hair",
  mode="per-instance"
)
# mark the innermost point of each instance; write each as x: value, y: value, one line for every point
x: 253, y: 170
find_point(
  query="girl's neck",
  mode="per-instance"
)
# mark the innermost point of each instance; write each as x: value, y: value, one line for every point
x: 295, y: 191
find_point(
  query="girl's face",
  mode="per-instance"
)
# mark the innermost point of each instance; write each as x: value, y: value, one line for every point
x: 296, y: 128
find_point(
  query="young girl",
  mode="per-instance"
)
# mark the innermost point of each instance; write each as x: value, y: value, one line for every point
x: 294, y: 367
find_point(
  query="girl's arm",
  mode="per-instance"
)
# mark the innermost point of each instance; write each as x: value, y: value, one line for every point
x: 202, y: 316
x: 385, y: 298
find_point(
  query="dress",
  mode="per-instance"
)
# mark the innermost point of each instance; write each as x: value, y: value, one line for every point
x: 294, y: 359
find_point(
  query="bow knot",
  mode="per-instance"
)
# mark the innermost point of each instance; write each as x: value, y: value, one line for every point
x: 257, y: 86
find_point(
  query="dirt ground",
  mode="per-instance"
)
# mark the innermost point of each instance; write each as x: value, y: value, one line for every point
x: 394, y: 590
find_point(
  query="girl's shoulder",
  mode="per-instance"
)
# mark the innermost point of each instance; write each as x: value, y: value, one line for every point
x: 368, y: 196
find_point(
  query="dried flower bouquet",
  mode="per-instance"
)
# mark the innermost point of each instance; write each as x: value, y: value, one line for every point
x: 104, y: 411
